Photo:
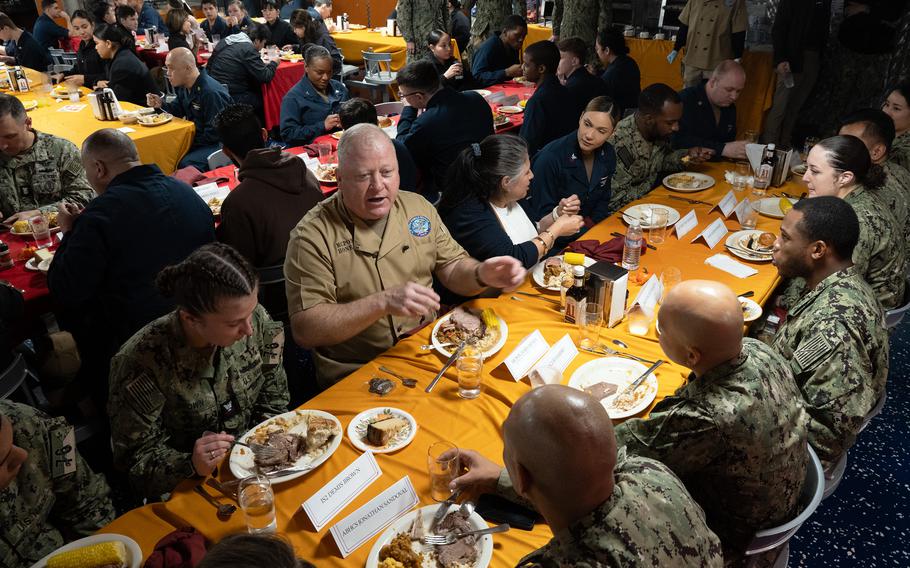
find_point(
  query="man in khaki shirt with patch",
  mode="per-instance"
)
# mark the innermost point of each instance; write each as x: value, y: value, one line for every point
x: 711, y: 31
x: 360, y: 265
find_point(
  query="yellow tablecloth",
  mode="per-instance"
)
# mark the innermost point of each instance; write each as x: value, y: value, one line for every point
x: 162, y: 145
x: 442, y: 415
x: 651, y: 56
x: 354, y: 42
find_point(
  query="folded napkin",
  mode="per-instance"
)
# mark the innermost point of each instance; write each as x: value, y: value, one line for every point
x: 189, y: 175
x: 727, y: 264
x: 183, y: 548
x: 610, y: 251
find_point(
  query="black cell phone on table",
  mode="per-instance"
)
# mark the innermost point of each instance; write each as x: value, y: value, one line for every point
x: 497, y: 509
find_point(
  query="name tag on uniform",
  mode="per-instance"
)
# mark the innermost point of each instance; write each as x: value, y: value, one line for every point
x: 62, y: 450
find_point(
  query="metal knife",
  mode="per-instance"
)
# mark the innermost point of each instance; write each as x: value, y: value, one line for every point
x: 635, y: 384
x: 446, y: 366
x: 442, y: 510
x: 538, y: 296
x: 690, y: 200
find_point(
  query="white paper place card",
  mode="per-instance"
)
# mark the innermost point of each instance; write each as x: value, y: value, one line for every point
x: 126, y: 129
x: 726, y: 205
x: 529, y: 351
x: 338, y: 493
x: 560, y: 355
x: 742, y: 210
x: 649, y: 295
x: 713, y: 233
x: 688, y: 222
x: 71, y: 108
x: 367, y: 521
x: 309, y: 162
x: 211, y: 190
x: 730, y: 266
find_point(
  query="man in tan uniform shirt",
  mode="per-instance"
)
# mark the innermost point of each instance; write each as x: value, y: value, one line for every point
x: 360, y: 265
x: 716, y: 31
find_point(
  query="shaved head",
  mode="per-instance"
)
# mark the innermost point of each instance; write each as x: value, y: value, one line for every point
x: 181, y: 56
x: 181, y: 67
x: 559, y: 449
x: 106, y: 154
x: 701, y: 325
x: 361, y: 138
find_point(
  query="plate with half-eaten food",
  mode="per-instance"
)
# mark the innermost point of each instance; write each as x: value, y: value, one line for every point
x: 401, y: 545
x: 305, y: 438
x: 382, y: 430
x: 481, y: 328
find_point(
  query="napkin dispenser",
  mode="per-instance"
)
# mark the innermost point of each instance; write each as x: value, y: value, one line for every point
x: 104, y: 104
x: 782, y: 162
x: 608, y: 285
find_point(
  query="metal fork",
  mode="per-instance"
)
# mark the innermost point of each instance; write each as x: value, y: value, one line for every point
x: 610, y: 351
x: 449, y: 538
x: 689, y: 200
x: 261, y: 451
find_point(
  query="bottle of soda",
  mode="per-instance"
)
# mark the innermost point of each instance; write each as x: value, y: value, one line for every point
x: 631, y: 251
x: 576, y: 296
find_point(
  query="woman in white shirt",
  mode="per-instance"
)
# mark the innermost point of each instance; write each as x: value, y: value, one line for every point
x: 480, y: 204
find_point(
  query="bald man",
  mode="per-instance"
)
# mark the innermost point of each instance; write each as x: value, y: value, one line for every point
x: 736, y: 433
x: 605, y: 508
x: 199, y: 99
x: 104, y: 270
x: 709, y: 113
x: 360, y: 265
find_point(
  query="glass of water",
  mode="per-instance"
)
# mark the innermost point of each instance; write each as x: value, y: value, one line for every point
x: 442, y: 465
x: 470, y: 372
x: 257, y: 500
x: 41, y: 231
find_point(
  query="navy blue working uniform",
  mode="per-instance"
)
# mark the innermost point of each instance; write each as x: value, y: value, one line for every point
x: 200, y: 104
x: 491, y: 60
x: 623, y: 82
x: 699, y: 127
x: 303, y: 110
x: 48, y: 33
x: 583, y: 86
x: 549, y: 114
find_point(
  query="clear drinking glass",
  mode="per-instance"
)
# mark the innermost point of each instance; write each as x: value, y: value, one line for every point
x: 442, y: 465
x: 257, y: 500
x: 638, y: 321
x: 750, y: 221
x: 670, y: 277
x: 590, y: 322
x: 324, y: 152
x: 750, y: 136
x: 41, y: 231
x: 470, y: 372
x: 657, y: 225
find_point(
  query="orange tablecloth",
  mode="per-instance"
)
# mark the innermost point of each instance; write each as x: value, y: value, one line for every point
x: 353, y: 42
x: 442, y: 415
x: 651, y: 56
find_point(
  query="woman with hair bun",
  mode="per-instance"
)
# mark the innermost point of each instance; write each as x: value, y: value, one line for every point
x: 840, y: 166
x: 212, y: 365
x: 127, y: 76
x: 622, y: 76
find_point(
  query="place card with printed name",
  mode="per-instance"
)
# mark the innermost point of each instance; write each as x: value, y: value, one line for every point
x: 366, y: 522
x: 560, y: 355
x: 742, y: 210
x: 713, y: 233
x: 688, y: 222
x: 726, y: 205
x: 649, y: 295
x: 529, y: 351
x: 341, y: 490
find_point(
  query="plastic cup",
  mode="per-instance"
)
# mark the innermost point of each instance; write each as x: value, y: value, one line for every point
x: 41, y: 231
x: 257, y: 500
x: 442, y: 465
x: 590, y: 322
x: 470, y: 372
x: 324, y: 153
x: 657, y: 225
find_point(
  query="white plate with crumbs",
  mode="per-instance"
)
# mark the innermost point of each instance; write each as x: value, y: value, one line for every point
x: 616, y: 373
x: 484, y: 544
x: 688, y: 182
x: 643, y: 211
x: 133, y: 552
x: 397, y: 427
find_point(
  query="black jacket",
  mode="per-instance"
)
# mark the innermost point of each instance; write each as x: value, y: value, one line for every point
x: 324, y: 39
x: 793, y: 26
x: 475, y: 226
x: 129, y: 77
x: 467, y: 80
x: 239, y: 66
x: 583, y: 86
x: 623, y: 82
x: 490, y: 61
x: 89, y: 64
x: 698, y: 127
x: 461, y: 30
x: 31, y: 54
x: 178, y: 40
x: 547, y: 115
x: 281, y: 33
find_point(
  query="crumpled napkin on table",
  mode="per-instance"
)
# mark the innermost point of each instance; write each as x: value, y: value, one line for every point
x: 609, y: 251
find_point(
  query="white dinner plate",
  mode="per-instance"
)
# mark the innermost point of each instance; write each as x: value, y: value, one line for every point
x: 446, y: 352
x: 483, y: 92
x: 537, y: 273
x: 643, y: 214
x: 770, y: 207
x: 700, y: 183
x: 751, y: 310
x: 511, y: 109
x: 620, y: 372
x: 404, y: 523
x: 736, y: 245
x: 357, y: 430
x: 241, y: 461
x: 133, y: 552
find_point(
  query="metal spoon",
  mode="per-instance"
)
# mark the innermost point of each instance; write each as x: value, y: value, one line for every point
x: 620, y: 343
x: 225, y: 510
x: 466, y: 509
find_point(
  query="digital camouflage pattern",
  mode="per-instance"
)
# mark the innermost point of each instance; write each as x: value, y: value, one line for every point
x: 835, y: 340
x: 879, y: 254
x: 48, y: 172
x: 895, y: 194
x: 650, y: 520
x: 579, y: 18
x: 737, y: 438
x: 900, y: 151
x: 489, y: 18
x: 165, y: 394
x: 43, y: 500
x: 639, y: 163
x: 417, y: 18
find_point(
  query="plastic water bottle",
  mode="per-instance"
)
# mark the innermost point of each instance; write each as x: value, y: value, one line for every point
x: 631, y: 251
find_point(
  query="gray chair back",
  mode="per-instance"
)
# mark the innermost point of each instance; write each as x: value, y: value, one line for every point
x: 894, y: 317
x: 378, y: 66
x: 218, y: 159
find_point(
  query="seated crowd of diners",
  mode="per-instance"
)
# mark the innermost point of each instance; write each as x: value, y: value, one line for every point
x: 186, y: 342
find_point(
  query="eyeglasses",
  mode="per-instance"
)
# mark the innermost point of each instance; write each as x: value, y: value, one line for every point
x: 405, y: 96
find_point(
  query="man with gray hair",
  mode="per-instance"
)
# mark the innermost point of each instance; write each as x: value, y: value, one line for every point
x: 360, y: 265
x: 105, y: 281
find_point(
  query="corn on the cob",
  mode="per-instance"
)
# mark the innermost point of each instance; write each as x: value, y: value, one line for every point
x: 489, y: 318
x: 100, y: 554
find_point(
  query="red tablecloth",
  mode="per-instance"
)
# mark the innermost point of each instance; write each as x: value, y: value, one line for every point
x: 512, y: 88
x: 153, y: 58
x: 32, y: 282
x: 286, y: 76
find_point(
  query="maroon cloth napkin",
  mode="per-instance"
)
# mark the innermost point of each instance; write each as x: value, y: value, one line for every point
x: 189, y: 175
x: 610, y: 251
x: 183, y: 548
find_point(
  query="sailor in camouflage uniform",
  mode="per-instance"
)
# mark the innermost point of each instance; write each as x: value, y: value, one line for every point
x: 642, y: 143
x: 37, y: 170
x: 560, y: 456
x: 900, y: 150
x: 181, y: 376
x: 876, y: 130
x: 45, y: 486
x: 834, y: 335
x: 736, y: 433
x: 897, y: 106
x: 579, y: 18
x: 489, y: 18
x: 417, y: 18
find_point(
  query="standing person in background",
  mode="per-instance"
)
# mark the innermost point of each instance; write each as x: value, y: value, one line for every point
x: 621, y: 76
x: 711, y: 31
x: 799, y: 34
x: 417, y: 18
x: 897, y: 106
x: 213, y: 24
x: 89, y: 67
x: 46, y: 31
x: 459, y: 25
x: 490, y: 20
x: 576, y: 18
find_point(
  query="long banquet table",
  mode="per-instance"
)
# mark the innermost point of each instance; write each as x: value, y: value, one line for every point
x: 442, y: 415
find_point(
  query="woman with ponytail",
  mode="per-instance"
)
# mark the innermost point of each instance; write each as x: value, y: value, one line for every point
x: 840, y: 166
x: 127, y: 76
x: 212, y: 365
x: 480, y: 204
